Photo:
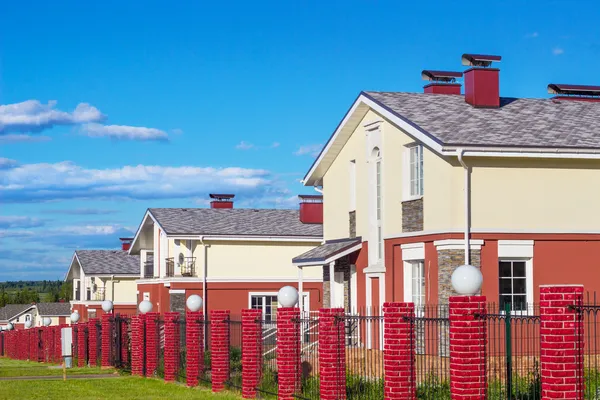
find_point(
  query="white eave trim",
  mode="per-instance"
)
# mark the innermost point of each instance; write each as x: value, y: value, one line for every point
x: 137, y: 233
x: 241, y: 238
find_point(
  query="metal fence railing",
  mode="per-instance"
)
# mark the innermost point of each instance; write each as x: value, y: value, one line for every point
x: 267, y: 384
x: 587, y: 328
x: 235, y: 353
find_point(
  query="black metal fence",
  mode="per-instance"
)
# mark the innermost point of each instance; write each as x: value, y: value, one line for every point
x: 206, y: 373
x: 121, y: 342
x: 182, y: 368
x: 235, y: 353
x: 267, y: 385
x: 587, y: 327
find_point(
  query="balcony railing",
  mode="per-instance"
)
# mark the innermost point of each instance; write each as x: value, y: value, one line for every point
x: 186, y: 268
x: 149, y: 269
x: 170, y: 267
x: 99, y: 294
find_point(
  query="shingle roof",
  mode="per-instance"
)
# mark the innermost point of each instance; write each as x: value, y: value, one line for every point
x: 518, y: 122
x: 110, y: 262
x: 54, y: 309
x: 327, y: 250
x: 11, y: 310
x: 251, y: 222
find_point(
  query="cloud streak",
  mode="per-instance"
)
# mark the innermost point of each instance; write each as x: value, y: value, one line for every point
x: 15, y: 222
x: 65, y: 180
x: 22, y: 138
x: 82, y: 211
x: 32, y: 116
x: 557, y: 51
x: 245, y: 146
x: 7, y: 163
x: 124, y: 132
x: 312, y: 149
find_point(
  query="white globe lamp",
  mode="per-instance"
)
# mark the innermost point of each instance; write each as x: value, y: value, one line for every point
x: 9, y: 327
x: 467, y: 280
x: 287, y: 296
x: 194, y: 303
x: 107, y: 306
x: 145, y: 307
x: 47, y: 321
x: 27, y: 324
x: 75, y: 317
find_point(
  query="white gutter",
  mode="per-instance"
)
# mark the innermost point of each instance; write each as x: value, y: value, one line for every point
x: 318, y: 190
x: 520, y: 152
x: 467, y: 187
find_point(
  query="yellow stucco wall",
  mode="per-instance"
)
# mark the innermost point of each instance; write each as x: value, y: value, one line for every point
x: 256, y: 260
x: 125, y: 290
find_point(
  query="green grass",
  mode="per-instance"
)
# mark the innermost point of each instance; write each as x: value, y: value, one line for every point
x: 10, y: 368
x: 113, y: 389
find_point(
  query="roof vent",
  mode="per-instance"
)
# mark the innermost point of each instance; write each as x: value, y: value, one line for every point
x: 442, y: 82
x: 574, y: 92
x: 482, y: 84
x: 126, y: 243
x: 221, y: 200
x: 311, y: 209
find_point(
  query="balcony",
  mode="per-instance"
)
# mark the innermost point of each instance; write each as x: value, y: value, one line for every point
x: 187, y: 266
x: 98, y: 295
x: 149, y: 269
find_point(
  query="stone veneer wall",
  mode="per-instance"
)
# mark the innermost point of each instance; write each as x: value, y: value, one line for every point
x: 352, y: 223
x: 177, y: 302
x: 448, y: 260
x: 341, y: 265
x: 412, y: 215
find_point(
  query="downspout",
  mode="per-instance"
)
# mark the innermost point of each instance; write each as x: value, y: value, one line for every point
x: 112, y: 290
x: 467, y: 187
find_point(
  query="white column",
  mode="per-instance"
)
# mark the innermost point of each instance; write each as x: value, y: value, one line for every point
x: 331, y: 284
x: 301, y: 290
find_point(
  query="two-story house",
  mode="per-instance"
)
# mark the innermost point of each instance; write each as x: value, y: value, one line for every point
x: 416, y: 184
x: 19, y: 314
x: 233, y: 258
x: 99, y: 275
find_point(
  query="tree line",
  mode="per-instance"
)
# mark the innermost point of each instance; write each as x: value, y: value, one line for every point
x: 26, y: 292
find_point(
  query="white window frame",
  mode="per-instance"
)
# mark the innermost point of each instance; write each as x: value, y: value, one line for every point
x: 251, y: 294
x: 411, y: 253
x: 407, y: 172
x: 518, y: 250
x: 352, y: 185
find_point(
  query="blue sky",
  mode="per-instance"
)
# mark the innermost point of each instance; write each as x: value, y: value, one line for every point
x: 108, y: 108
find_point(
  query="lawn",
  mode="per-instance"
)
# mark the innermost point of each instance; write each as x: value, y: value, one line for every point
x: 10, y: 368
x: 122, y: 387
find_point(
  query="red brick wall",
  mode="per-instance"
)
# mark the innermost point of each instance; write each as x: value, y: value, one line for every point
x: 251, y: 352
x: 332, y: 354
x: 107, y: 323
x: 219, y: 348
x: 81, y: 343
x: 93, y: 341
x: 398, y: 353
x: 288, y: 352
x: 137, y: 345
x: 152, y: 343
x: 468, y: 338
x: 561, y: 342
x: 171, y: 353
x: 194, y: 339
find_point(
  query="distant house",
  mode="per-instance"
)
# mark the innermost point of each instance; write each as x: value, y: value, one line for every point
x: 59, y: 313
x: 233, y: 258
x: 99, y: 275
x: 19, y: 314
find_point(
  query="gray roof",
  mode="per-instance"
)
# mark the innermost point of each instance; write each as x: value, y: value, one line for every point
x: 251, y: 222
x: 62, y: 309
x: 327, y: 250
x: 108, y: 262
x: 542, y: 123
x: 12, y: 310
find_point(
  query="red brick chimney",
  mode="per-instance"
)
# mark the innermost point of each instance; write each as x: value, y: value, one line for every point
x: 574, y: 92
x: 311, y: 209
x: 221, y: 200
x: 126, y: 243
x: 442, y: 82
x: 482, y: 84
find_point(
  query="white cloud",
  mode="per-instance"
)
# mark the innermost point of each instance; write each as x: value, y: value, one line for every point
x: 311, y: 149
x: 275, y: 145
x: 7, y: 163
x: 557, y: 51
x: 124, y: 132
x: 66, y: 180
x: 532, y: 35
x: 22, y: 138
x: 14, y: 221
x: 244, y: 146
x: 34, y: 116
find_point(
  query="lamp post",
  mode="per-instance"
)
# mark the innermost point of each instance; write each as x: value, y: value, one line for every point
x: 467, y: 280
x: 194, y: 303
x: 287, y: 296
x: 145, y: 307
x: 107, y: 306
x: 27, y: 324
x: 47, y: 321
x: 75, y: 317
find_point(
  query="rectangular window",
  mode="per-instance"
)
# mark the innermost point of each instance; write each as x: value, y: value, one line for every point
x: 267, y: 303
x: 416, y: 171
x: 352, y: 186
x: 418, y: 284
x: 513, y: 285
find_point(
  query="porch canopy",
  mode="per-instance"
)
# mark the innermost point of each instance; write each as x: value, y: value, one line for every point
x: 326, y: 254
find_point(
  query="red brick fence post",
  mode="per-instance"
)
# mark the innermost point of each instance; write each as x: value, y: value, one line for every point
x: 562, y: 342
x: 288, y: 352
x: 93, y: 342
x: 81, y: 362
x: 152, y: 342
x: 194, y: 341
x: 251, y: 352
x: 332, y: 354
x: 399, y: 351
x: 138, y: 348
x: 219, y: 348
x: 107, y: 332
x: 468, y: 339
x: 171, y: 353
